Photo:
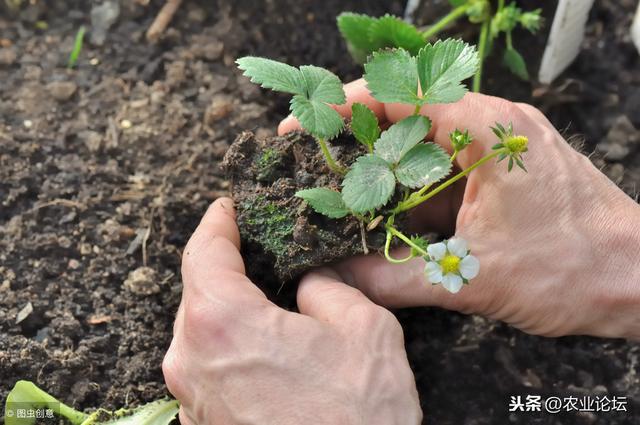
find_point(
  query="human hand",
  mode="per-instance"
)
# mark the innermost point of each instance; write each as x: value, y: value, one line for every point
x: 236, y: 358
x: 557, y: 246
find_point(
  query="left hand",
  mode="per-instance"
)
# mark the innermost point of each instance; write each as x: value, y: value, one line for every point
x: 236, y: 358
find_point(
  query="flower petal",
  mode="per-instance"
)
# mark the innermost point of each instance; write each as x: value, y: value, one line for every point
x: 433, y: 272
x: 452, y: 283
x: 457, y: 247
x: 437, y: 251
x: 469, y: 267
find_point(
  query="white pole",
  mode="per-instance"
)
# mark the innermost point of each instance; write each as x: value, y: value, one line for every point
x: 565, y: 38
x: 635, y: 29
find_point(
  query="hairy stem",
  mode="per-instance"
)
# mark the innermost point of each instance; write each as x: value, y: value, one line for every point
x: 414, y: 201
x: 482, y: 48
x: 333, y: 165
x: 388, y: 256
x: 446, y: 20
x: 392, y: 231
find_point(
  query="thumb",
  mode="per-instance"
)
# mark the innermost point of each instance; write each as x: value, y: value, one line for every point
x: 323, y: 296
x: 403, y: 285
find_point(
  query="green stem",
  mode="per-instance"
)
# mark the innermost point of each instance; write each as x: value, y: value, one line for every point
x: 509, y: 40
x: 395, y: 232
x: 446, y: 20
x: 388, y: 256
x: 333, y: 165
x: 482, y: 47
x: 416, y: 110
x: 412, y: 203
x: 455, y: 154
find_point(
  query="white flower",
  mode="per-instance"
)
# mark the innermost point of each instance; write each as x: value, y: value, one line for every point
x: 451, y: 264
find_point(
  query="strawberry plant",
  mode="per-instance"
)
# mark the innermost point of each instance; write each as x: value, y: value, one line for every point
x: 398, y: 170
x: 365, y: 34
x: 27, y: 403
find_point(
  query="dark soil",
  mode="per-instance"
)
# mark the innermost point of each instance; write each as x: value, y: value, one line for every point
x: 106, y: 169
x: 282, y: 237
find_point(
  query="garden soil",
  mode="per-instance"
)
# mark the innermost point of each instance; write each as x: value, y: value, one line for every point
x: 106, y: 169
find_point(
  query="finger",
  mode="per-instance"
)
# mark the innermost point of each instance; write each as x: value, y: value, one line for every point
x: 474, y: 112
x: 402, y: 285
x: 216, y: 241
x: 185, y: 419
x: 323, y: 296
x: 355, y: 91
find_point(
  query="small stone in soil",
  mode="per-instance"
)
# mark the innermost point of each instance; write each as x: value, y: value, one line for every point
x: 62, y: 90
x: 7, y: 56
x: 24, y: 313
x: 142, y: 281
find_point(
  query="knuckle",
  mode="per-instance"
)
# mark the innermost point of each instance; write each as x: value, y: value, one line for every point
x: 172, y: 374
x: 370, y: 315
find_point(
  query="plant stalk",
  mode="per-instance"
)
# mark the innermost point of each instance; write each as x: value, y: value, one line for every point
x: 482, y: 47
x: 392, y: 231
x: 446, y: 20
x: 412, y: 203
x: 333, y: 165
x: 388, y: 256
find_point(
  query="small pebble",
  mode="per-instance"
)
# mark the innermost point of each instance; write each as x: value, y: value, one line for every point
x: 126, y: 124
x: 27, y: 123
x: 7, y: 56
x: 62, y: 90
x: 142, y: 281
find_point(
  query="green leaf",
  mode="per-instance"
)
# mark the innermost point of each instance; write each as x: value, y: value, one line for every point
x: 395, y: 142
x: 391, y: 31
x: 322, y: 85
x: 364, y: 125
x: 26, y: 395
x: 318, y: 118
x: 368, y: 185
x: 456, y: 3
x: 392, y: 77
x: 423, y: 165
x: 272, y: 74
x: 160, y: 412
x: 354, y: 27
x: 516, y: 64
x: 442, y: 67
x: 324, y: 201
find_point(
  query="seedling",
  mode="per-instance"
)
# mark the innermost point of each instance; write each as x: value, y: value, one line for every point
x: 313, y: 88
x: 26, y: 403
x: 365, y: 34
x: 77, y: 47
x: 399, y: 170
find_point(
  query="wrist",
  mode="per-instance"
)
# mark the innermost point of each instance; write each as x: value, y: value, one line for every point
x: 615, y: 276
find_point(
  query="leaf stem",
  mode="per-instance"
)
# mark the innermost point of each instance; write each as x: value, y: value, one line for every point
x: 392, y: 231
x: 388, y: 256
x: 333, y: 165
x: 416, y: 110
x: 446, y: 20
x: 509, y: 40
x: 412, y: 203
x: 482, y: 47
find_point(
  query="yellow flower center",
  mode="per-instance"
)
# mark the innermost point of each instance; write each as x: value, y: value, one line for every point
x: 516, y: 144
x: 450, y: 264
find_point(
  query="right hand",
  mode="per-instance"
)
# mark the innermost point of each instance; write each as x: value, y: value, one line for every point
x: 558, y: 246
